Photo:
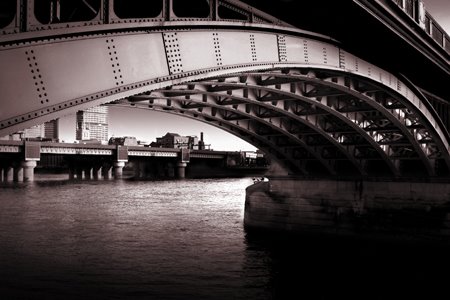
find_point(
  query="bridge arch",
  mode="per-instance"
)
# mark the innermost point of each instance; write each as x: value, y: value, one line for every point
x: 295, y: 94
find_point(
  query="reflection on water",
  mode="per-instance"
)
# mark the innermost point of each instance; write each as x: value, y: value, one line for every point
x: 185, y: 240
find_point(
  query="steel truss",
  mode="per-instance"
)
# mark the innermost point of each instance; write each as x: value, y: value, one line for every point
x: 318, y: 121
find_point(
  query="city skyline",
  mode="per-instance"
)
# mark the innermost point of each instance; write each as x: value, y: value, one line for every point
x: 148, y: 125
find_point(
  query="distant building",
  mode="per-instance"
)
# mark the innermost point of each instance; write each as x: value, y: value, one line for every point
x: 48, y: 131
x: 13, y: 137
x: 174, y: 140
x: 52, y: 129
x: 92, y: 124
x: 37, y: 131
x: 123, y: 141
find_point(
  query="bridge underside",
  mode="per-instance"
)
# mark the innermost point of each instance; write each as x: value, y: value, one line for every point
x: 316, y: 122
x: 296, y: 95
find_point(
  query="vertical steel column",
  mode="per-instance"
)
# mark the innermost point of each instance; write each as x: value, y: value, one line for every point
x: 167, y: 10
x: 55, y: 13
x: 213, y: 9
x: 22, y: 15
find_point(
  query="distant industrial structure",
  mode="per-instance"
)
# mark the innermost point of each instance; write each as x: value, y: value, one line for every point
x: 92, y: 124
x: 176, y: 141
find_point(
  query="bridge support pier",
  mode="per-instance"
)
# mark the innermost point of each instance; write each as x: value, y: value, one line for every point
x: 118, y: 169
x: 28, y: 170
x: 139, y: 169
x: 181, y: 170
x: 107, y: 171
x: 87, y: 173
x: 368, y: 209
x: 18, y: 173
x: 8, y: 174
x: 79, y: 171
x: 97, y: 172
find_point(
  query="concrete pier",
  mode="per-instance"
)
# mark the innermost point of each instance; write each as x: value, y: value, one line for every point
x: 79, y: 171
x: 97, y: 172
x: 8, y: 174
x: 107, y: 171
x: 28, y: 170
x: 118, y: 169
x: 18, y: 173
x: 387, y: 209
x: 181, y: 170
x: 87, y: 173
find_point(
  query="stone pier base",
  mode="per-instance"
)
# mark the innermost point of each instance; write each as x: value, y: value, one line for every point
x: 365, y: 208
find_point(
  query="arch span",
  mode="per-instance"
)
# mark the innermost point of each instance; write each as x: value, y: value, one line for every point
x: 296, y: 95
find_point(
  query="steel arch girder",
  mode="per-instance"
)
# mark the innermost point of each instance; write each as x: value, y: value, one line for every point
x: 176, y: 104
x: 341, y: 116
x: 402, y: 94
x: 265, y: 144
x: 305, y: 120
x: 390, y: 115
x: 59, y: 86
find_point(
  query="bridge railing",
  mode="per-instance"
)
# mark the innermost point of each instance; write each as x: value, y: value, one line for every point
x: 17, y: 16
x: 415, y: 9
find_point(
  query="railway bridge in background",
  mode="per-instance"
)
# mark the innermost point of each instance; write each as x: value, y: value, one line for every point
x: 325, y: 101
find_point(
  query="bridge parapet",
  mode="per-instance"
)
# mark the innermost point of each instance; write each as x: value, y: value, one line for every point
x: 415, y: 9
x: 23, y: 16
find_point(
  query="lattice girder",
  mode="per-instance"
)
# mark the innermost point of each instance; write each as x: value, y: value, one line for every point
x: 384, y: 124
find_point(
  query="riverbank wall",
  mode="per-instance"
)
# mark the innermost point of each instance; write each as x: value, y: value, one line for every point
x: 410, y: 210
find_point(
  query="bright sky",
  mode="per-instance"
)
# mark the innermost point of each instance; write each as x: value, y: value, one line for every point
x: 147, y: 125
x: 440, y: 10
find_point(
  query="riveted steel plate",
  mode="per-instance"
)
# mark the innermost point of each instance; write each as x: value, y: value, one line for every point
x: 323, y: 53
x: 198, y: 50
x: 75, y: 68
x: 141, y: 56
x: 235, y: 47
x: 266, y: 46
x: 16, y: 83
x: 349, y: 62
x: 295, y: 50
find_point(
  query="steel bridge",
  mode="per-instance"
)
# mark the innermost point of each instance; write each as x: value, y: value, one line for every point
x: 299, y: 96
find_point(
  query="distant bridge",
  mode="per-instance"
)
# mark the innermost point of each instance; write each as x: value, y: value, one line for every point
x: 19, y: 158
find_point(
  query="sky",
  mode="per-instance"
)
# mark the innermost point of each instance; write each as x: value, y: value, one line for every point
x: 440, y: 10
x: 148, y: 125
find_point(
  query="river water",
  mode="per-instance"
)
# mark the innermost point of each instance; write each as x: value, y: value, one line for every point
x: 186, y: 240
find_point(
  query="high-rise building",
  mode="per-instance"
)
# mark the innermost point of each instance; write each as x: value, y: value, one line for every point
x: 92, y: 124
x: 52, y: 129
